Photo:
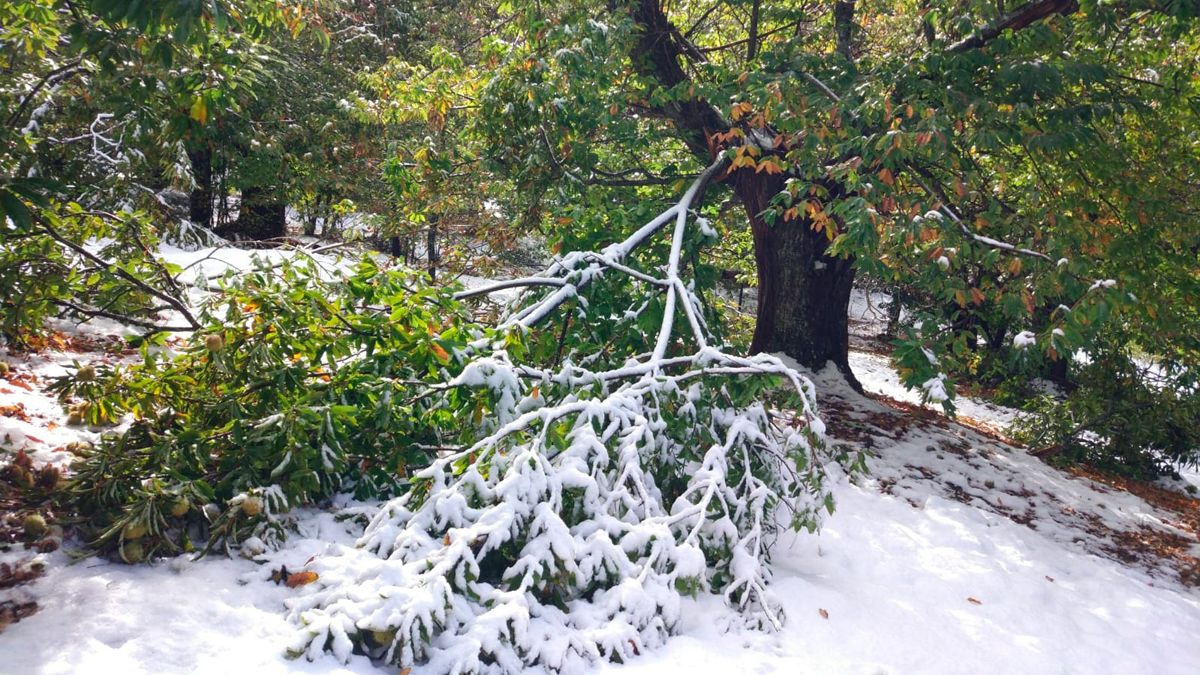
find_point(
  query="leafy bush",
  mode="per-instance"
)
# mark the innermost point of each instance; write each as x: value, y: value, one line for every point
x: 301, y: 385
x: 1125, y: 417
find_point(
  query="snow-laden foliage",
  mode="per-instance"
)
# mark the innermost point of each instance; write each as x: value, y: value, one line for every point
x: 594, y: 497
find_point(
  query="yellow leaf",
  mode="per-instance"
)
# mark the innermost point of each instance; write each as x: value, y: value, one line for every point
x: 199, y: 111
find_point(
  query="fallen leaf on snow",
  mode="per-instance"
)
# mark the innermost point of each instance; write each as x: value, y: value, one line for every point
x: 300, y: 579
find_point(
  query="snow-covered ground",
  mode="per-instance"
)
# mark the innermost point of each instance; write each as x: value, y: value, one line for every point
x: 956, y: 554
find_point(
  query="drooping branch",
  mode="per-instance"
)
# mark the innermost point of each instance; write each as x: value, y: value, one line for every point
x: 601, y: 478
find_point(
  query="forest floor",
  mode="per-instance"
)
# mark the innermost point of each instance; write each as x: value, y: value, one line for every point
x: 958, y: 552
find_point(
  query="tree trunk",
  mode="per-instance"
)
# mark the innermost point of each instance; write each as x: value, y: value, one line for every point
x: 200, y: 201
x: 260, y: 216
x: 843, y: 21
x: 894, y: 308
x: 431, y: 252
x: 803, y: 293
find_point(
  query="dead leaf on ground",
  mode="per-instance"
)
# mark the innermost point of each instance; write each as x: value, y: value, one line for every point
x: 824, y: 614
x: 973, y: 601
x: 300, y: 579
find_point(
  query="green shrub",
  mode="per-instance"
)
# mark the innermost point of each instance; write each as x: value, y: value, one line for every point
x: 1123, y: 417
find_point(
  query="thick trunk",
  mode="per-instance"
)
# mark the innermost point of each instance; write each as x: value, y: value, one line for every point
x: 200, y: 201
x: 803, y: 293
x: 260, y: 216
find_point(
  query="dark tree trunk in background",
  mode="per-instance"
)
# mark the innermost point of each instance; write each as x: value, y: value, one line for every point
x: 260, y: 216
x: 894, y: 308
x: 1056, y: 370
x: 431, y: 251
x: 200, y: 202
x: 843, y: 22
x: 803, y: 293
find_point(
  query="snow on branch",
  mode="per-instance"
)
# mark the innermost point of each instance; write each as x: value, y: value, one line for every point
x: 596, y: 495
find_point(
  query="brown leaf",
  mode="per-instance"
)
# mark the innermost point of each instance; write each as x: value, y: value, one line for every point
x: 824, y: 614
x: 439, y: 352
x: 300, y: 579
x: 977, y: 296
x: 973, y: 601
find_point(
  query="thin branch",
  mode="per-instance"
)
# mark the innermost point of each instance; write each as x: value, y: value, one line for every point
x: 53, y: 77
x: 1015, y: 20
x: 175, y: 303
x: 92, y: 312
x: 504, y: 285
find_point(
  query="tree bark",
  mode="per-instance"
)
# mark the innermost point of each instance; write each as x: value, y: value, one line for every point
x: 200, y: 201
x: 260, y: 216
x: 431, y: 250
x: 803, y: 293
x: 843, y: 21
